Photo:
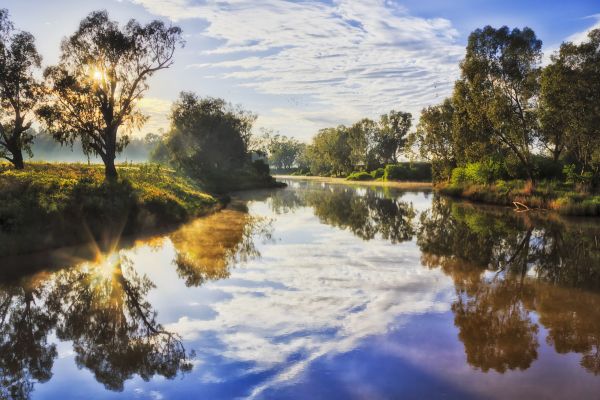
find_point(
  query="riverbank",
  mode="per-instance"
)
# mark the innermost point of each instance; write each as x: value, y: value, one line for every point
x: 53, y: 205
x: 394, y: 184
x: 560, y: 197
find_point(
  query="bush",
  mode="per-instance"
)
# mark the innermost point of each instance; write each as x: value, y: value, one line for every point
x: 408, y: 172
x: 359, y: 176
x: 261, y: 167
x: 547, y: 168
x: 481, y: 173
x: 378, y: 173
x: 459, y: 176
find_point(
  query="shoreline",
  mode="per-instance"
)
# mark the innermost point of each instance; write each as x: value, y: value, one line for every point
x: 564, y: 203
x: 54, y: 206
x: 394, y: 184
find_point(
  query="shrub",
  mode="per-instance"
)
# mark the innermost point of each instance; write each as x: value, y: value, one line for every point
x: 481, y: 173
x: 407, y: 172
x: 547, y: 168
x: 261, y: 167
x: 459, y: 176
x: 359, y: 176
x: 378, y: 173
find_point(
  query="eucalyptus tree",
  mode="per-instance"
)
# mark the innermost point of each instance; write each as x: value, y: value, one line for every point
x: 500, y: 75
x: 102, y: 74
x: 435, y: 138
x: 570, y: 98
x: 390, y: 136
x: 19, y: 90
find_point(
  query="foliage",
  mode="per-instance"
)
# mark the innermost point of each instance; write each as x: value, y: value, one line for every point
x: 569, y: 98
x: 20, y: 91
x: 566, y: 198
x: 281, y: 151
x: 407, y: 172
x: 435, y: 139
x: 378, y: 173
x: 499, y: 75
x: 481, y: 173
x: 102, y: 73
x: 68, y: 198
x: 391, y: 135
x: 209, y: 142
x: 359, y: 176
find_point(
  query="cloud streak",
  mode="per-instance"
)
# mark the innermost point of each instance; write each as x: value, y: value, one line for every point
x: 351, y: 58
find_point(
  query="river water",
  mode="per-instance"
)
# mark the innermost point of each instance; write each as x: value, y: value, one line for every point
x: 316, y: 291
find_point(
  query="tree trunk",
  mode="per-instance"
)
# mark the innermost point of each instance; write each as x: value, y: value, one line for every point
x: 17, y: 158
x: 110, y: 171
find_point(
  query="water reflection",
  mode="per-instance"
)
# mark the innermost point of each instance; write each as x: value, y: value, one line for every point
x: 102, y: 308
x: 208, y: 247
x: 26, y: 356
x: 365, y: 213
x: 506, y: 267
x: 315, y: 291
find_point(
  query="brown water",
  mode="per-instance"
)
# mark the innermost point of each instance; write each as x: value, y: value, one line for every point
x: 315, y: 291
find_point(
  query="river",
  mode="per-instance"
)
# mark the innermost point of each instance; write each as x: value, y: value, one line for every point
x: 316, y: 291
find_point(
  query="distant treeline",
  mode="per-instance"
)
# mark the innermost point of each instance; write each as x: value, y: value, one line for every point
x: 365, y: 145
x: 46, y: 148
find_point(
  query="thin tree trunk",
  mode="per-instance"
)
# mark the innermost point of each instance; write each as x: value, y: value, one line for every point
x: 17, y: 159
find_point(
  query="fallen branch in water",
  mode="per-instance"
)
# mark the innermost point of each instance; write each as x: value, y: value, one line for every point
x: 520, y: 207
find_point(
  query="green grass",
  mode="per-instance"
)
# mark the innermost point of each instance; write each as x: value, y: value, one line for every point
x: 52, y: 205
x: 566, y: 199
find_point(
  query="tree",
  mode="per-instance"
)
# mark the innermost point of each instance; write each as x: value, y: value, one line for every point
x: 102, y: 73
x: 19, y: 90
x: 208, y: 136
x: 330, y: 152
x: 569, y: 103
x: 282, y: 150
x: 361, y: 137
x: 391, y: 135
x: 434, y: 138
x: 500, y: 75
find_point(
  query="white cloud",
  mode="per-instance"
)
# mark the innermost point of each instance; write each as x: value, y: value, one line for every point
x: 281, y: 313
x: 577, y: 38
x: 350, y: 58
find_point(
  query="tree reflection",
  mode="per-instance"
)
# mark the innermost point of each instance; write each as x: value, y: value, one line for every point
x: 26, y: 356
x: 102, y: 307
x: 113, y: 327
x: 208, y: 247
x: 573, y: 323
x: 506, y: 266
x: 365, y: 213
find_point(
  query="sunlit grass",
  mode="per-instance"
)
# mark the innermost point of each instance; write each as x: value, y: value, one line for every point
x: 74, y: 202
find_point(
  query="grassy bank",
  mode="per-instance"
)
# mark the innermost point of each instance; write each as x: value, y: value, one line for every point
x: 52, y: 205
x: 567, y: 199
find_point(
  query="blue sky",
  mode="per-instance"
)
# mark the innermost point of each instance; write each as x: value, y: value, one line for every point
x: 303, y: 65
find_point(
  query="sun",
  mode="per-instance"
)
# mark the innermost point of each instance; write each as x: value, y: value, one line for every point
x: 97, y: 75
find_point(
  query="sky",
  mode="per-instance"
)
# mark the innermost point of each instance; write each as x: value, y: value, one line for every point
x: 303, y: 65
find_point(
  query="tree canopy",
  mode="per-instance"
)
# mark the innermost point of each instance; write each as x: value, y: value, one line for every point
x: 102, y: 74
x: 20, y: 91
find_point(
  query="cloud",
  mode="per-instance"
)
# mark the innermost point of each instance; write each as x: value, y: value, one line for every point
x: 582, y: 36
x: 577, y: 38
x: 281, y: 313
x: 351, y: 58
